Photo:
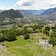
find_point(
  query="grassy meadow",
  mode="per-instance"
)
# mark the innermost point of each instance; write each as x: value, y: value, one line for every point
x: 30, y: 47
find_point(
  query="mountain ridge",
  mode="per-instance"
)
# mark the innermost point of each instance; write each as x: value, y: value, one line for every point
x: 11, y: 14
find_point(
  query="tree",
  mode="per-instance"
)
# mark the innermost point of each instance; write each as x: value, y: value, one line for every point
x: 29, y: 30
x: 38, y: 30
x: 19, y: 31
x: 53, y: 34
x: 1, y: 37
x: 46, y: 32
x: 47, y: 28
x: 26, y: 36
x: 4, y: 31
x: 52, y: 41
x: 34, y: 27
x: 11, y: 35
x: 40, y: 26
x: 25, y: 29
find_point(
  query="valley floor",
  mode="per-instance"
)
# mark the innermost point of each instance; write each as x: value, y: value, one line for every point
x: 30, y: 47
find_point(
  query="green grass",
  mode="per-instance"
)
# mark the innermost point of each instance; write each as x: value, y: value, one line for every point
x: 22, y: 47
x: 19, y: 42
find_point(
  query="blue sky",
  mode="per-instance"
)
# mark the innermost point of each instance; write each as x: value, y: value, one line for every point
x: 27, y: 4
x: 6, y: 4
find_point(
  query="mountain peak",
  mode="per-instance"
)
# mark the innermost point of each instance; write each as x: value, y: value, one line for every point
x: 11, y: 14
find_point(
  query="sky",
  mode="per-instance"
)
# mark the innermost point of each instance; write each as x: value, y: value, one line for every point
x: 27, y: 4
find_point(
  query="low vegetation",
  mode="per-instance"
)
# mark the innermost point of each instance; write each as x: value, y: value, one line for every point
x: 25, y: 40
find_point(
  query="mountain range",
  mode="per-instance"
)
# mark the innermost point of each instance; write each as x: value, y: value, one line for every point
x: 31, y: 13
x: 48, y: 13
x: 10, y: 14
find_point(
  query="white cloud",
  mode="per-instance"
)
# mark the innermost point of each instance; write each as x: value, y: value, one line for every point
x: 36, y: 4
x: 24, y: 2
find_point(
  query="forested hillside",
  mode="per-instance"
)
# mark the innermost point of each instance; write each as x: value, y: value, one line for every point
x: 10, y: 14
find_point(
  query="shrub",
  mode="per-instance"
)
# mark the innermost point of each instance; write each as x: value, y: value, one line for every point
x: 11, y: 35
x: 29, y: 30
x: 26, y: 36
x: 47, y: 28
x: 38, y: 30
x: 53, y: 34
x: 1, y: 37
x: 46, y: 32
x: 52, y: 41
x: 19, y: 32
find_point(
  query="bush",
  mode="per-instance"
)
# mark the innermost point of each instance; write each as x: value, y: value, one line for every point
x: 53, y: 34
x: 4, y: 31
x: 38, y: 30
x: 52, y: 41
x: 46, y: 32
x: 53, y: 38
x: 47, y: 28
x: 29, y: 30
x: 26, y: 36
x: 34, y: 27
x: 19, y: 32
x: 1, y: 38
x: 11, y: 35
